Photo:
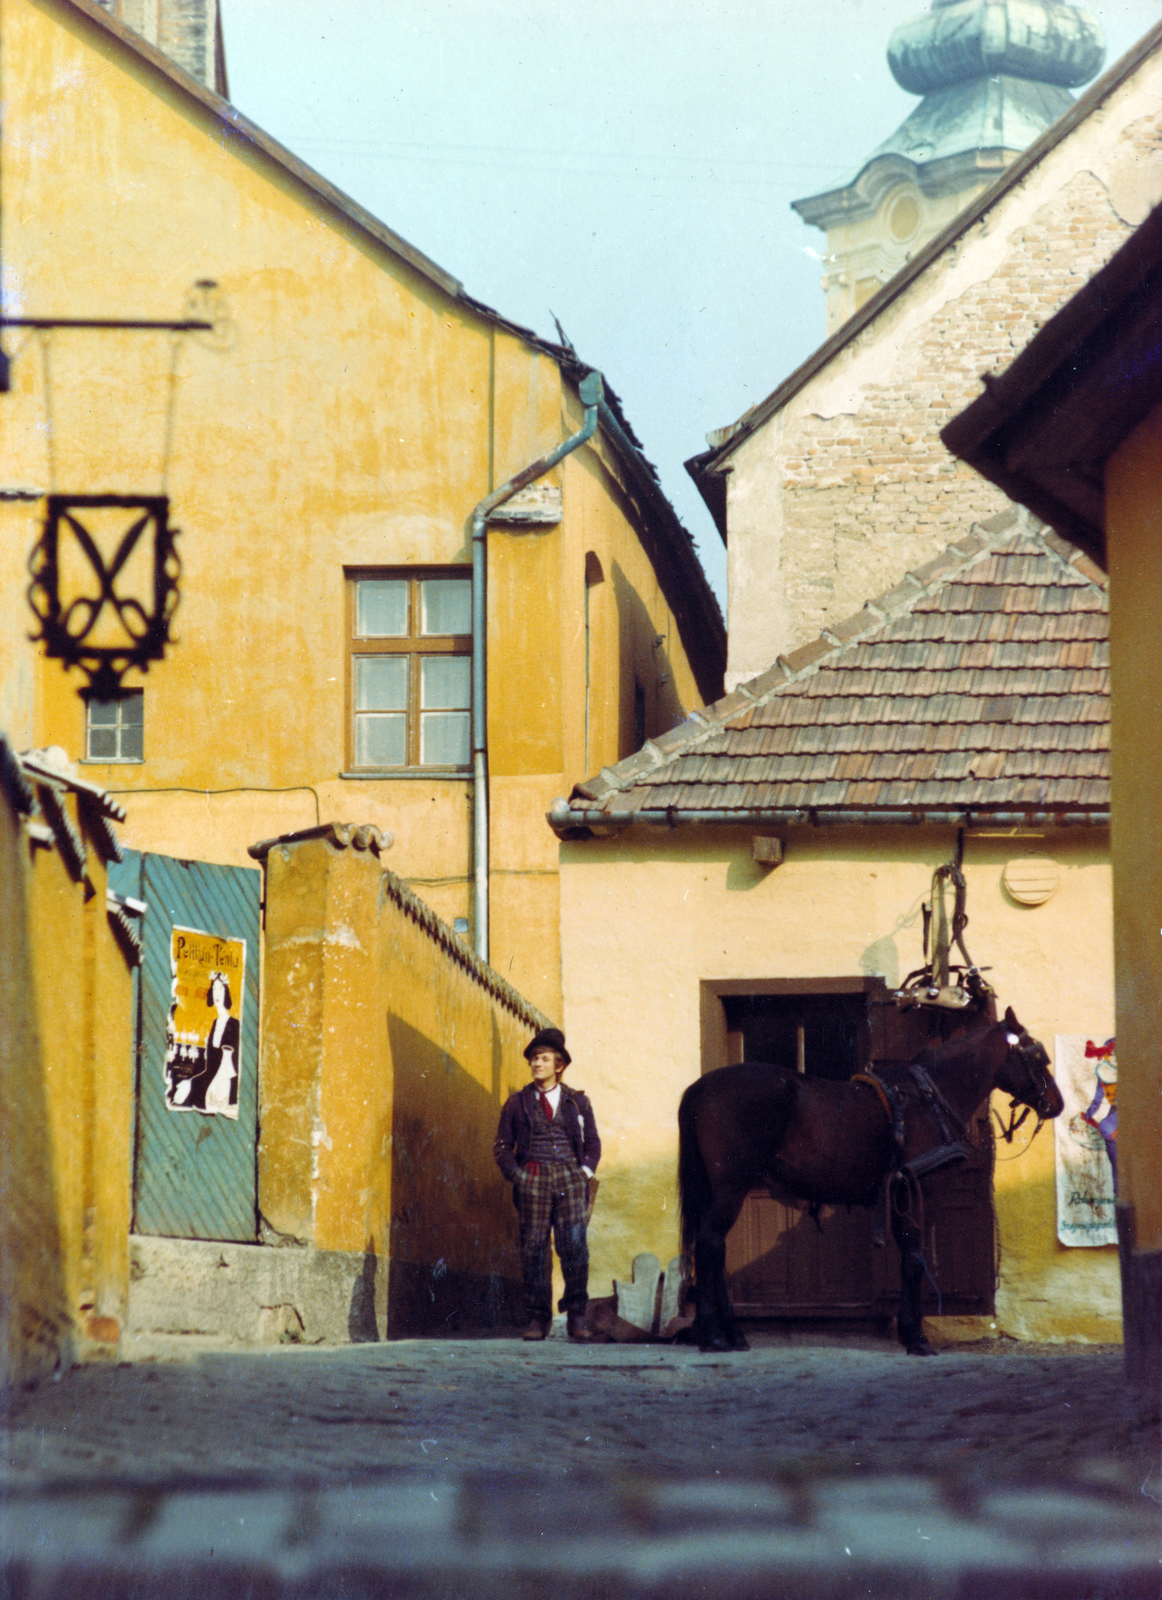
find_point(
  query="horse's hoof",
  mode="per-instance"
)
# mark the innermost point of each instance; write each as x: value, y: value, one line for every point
x: 919, y: 1347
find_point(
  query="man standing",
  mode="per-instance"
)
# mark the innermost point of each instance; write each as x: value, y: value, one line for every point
x: 547, y: 1147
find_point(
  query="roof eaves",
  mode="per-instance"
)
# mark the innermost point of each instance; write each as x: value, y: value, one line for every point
x: 724, y: 441
x: 704, y: 632
x: 804, y: 662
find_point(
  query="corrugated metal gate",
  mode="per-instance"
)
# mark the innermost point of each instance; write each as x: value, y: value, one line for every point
x: 197, y: 1047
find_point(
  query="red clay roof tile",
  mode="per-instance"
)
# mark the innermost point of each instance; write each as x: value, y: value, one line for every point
x: 985, y: 684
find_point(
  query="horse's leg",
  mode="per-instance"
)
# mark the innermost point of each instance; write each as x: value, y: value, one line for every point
x: 715, y: 1324
x: 909, y: 1237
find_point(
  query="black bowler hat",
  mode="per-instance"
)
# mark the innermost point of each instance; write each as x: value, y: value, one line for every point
x: 548, y: 1039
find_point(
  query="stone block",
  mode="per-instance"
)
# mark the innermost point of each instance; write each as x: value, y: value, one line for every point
x: 637, y: 1300
x: 671, y: 1301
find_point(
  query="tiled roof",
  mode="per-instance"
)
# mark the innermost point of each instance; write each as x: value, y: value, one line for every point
x: 979, y: 683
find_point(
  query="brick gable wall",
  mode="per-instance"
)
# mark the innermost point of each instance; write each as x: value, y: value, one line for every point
x: 844, y: 490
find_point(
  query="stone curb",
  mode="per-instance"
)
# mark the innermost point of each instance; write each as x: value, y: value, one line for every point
x: 628, y: 1539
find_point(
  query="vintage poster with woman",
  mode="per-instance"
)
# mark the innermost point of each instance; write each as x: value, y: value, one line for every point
x: 204, y: 1027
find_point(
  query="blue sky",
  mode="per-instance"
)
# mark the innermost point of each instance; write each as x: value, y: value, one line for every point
x: 624, y: 165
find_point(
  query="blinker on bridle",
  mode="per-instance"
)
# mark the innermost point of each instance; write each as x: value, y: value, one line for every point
x: 1022, y: 1044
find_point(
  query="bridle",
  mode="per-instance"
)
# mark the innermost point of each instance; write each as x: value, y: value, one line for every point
x: 1029, y: 1052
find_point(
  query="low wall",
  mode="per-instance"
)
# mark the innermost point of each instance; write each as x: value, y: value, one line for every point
x: 388, y: 1049
x: 65, y: 1077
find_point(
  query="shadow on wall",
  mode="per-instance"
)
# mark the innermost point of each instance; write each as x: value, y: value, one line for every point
x: 453, y: 1258
x: 649, y: 702
x: 36, y: 1328
x: 362, y: 1326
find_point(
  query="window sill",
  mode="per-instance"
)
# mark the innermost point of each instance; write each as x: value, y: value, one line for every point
x: 111, y: 761
x: 380, y: 774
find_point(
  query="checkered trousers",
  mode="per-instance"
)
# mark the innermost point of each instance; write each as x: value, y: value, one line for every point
x: 554, y: 1199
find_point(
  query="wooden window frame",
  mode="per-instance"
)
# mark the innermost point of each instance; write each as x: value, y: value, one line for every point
x: 413, y: 645
x: 120, y: 728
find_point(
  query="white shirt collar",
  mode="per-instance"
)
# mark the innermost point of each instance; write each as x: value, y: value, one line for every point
x: 553, y: 1096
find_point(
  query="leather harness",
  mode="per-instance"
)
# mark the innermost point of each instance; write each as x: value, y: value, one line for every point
x: 895, y: 1100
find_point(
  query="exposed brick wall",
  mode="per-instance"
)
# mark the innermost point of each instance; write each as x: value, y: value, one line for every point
x: 863, y: 495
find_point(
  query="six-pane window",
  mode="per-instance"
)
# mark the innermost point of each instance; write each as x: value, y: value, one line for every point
x: 411, y: 670
x: 115, y: 729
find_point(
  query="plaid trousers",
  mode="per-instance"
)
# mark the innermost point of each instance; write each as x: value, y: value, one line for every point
x: 555, y: 1198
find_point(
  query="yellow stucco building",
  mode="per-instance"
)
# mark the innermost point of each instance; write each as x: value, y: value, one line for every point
x: 753, y: 885
x: 323, y: 441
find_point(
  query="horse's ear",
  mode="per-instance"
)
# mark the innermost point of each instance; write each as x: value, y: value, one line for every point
x: 1011, y: 1022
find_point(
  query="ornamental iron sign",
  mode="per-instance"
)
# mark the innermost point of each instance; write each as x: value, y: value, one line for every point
x: 105, y: 585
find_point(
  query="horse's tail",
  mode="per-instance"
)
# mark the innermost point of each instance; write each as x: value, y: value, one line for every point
x: 694, y: 1191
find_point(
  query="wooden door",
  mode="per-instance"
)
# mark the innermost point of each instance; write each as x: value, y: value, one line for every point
x: 780, y: 1262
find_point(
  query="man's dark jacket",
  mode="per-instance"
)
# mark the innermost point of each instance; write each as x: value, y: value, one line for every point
x: 514, y: 1135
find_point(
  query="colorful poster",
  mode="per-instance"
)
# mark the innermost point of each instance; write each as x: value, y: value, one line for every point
x: 1086, y: 1134
x: 204, y: 1028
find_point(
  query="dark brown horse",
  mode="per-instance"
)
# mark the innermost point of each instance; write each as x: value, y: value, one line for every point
x: 865, y: 1142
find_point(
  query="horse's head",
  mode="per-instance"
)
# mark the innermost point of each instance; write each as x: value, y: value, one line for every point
x: 1025, y: 1074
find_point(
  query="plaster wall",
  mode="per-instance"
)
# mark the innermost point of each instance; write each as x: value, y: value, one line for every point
x: 847, y: 485
x: 1133, y: 532
x: 387, y: 1053
x: 347, y: 411
x: 67, y: 1088
x: 646, y: 919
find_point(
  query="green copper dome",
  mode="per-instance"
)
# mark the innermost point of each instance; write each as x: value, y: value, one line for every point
x: 1044, y: 41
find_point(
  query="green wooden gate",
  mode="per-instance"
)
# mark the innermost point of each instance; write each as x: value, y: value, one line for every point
x: 197, y: 1047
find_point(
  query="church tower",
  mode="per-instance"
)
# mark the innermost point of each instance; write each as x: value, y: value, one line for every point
x: 189, y: 32
x: 994, y: 75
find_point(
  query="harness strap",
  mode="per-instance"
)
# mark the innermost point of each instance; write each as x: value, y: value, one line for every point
x: 941, y: 1156
x: 944, y: 1113
x: 881, y: 1093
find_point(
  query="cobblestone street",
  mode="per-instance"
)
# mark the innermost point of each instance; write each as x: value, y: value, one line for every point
x: 809, y: 1461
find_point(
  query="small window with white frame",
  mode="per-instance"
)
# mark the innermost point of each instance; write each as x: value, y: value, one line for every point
x: 410, y: 669
x: 115, y: 729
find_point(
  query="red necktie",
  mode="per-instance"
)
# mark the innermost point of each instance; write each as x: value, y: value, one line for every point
x: 546, y: 1105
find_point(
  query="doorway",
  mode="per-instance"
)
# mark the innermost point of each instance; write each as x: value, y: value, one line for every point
x: 779, y: 1261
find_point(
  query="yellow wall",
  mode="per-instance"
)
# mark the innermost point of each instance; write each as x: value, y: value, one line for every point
x: 352, y: 413
x: 1133, y: 534
x: 387, y: 1054
x: 646, y: 917
x: 67, y: 1088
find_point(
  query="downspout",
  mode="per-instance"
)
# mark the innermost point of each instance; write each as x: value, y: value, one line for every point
x: 592, y: 392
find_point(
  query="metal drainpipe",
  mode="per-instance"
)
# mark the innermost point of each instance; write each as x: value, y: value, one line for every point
x: 592, y: 392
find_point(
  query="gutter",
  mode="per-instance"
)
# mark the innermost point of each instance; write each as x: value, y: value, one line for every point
x: 591, y: 390
x: 565, y: 820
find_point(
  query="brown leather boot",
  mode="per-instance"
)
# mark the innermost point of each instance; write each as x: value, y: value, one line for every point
x: 577, y: 1328
x: 538, y: 1328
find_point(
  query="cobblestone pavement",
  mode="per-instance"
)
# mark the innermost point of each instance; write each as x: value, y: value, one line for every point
x: 436, y: 1467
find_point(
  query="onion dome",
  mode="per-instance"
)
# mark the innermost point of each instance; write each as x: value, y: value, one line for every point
x: 1047, y: 41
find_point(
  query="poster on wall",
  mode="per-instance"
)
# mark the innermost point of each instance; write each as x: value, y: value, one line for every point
x: 1086, y: 1133
x: 204, y: 1027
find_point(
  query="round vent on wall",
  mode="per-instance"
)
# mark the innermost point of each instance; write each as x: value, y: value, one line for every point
x: 1031, y: 880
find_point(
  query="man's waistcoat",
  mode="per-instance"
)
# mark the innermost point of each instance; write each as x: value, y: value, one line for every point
x: 514, y: 1136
